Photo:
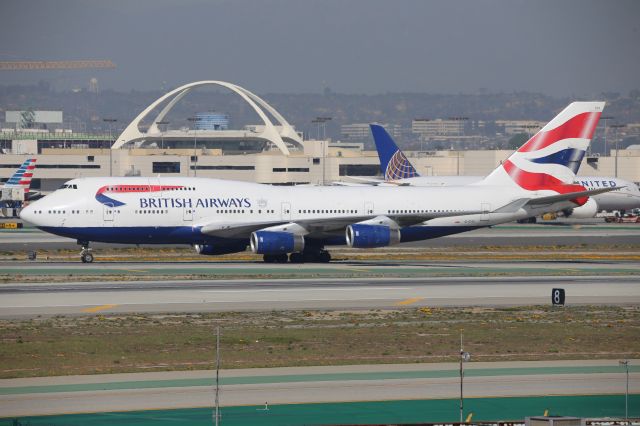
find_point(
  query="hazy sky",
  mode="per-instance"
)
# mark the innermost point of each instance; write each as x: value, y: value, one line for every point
x: 563, y: 48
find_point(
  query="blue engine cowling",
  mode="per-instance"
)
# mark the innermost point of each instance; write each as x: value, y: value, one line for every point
x: 226, y: 248
x: 272, y: 242
x: 371, y: 236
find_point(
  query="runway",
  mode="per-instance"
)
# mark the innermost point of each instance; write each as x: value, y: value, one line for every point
x: 89, y: 298
x: 142, y: 391
x: 568, y: 232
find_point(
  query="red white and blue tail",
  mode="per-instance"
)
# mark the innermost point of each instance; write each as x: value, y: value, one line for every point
x: 551, y: 158
x: 22, y: 176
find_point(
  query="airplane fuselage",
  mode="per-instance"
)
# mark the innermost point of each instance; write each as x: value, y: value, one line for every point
x: 627, y: 197
x: 200, y: 210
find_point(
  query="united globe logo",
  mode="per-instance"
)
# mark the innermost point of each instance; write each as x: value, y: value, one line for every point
x: 399, y: 167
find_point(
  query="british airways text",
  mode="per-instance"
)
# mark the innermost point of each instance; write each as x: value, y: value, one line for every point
x: 160, y: 203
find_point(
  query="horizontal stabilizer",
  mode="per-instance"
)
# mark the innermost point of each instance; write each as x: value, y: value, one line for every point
x: 569, y: 196
x: 516, y: 205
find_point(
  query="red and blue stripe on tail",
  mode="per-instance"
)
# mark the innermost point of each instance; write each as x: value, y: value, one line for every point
x: 551, y: 158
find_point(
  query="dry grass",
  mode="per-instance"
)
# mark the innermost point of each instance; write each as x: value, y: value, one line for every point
x: 130, y: 343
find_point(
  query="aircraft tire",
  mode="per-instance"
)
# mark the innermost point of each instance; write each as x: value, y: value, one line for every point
x: 309, y: 257
x: 86, y: 257
x: 324, y: 257
x: 296, y: 258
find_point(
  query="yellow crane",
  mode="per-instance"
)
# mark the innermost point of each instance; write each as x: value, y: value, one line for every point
x: 54, y: 65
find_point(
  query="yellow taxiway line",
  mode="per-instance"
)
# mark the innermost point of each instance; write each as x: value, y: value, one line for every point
x: 99, y: 308
x: 409, y: 301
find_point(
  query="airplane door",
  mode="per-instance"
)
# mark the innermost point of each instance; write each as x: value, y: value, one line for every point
x: 485, y: 208
x: 368, y: 208
x: 187, y: 214
x: 154, y: 188
x: 107, y: 214
x: 285, y: 213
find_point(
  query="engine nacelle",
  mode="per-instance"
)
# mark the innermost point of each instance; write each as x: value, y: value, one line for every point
x: 585, y: 211
x: 212, y: 250
x: 270, y: 242
x: 370, y: 236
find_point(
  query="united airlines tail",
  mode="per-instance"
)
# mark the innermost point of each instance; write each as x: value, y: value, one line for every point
x: 551, y: 158
x: 22, y: 177
x: 393, y: 163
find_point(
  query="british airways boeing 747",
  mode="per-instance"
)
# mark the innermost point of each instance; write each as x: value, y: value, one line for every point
x: 297, y: 223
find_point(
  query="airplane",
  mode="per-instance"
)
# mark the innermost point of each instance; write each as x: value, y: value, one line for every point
x: 16, y: 189
x: 398, y: 170
x: 297, y: 223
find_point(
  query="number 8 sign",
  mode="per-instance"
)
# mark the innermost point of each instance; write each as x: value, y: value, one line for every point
x: 557, y: 296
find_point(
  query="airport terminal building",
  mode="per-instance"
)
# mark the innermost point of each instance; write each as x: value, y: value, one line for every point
x: 271, y: 152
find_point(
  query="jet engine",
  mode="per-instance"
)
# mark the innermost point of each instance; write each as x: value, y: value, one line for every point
x: 226, y: 248
x: 585, y: 211
x: 361, y: 235
x: 272, y: 242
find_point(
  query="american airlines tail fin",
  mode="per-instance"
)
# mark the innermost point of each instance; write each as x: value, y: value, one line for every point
x: 551, y: 158
x: 393, y: 163
x: 22, y: 177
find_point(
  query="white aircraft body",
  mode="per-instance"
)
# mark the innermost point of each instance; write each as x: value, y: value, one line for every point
x: 218, y: 216
x: 398, y: 170
x: 625, y: 196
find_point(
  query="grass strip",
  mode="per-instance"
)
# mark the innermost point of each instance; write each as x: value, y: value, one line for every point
x: 99, y: 344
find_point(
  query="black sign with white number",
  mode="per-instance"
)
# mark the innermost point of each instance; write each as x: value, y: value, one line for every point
x: 557, y: 296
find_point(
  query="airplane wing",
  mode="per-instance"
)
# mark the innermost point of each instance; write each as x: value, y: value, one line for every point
x: 332, y: 225
x: 315, y: 226
x: 363, y: 181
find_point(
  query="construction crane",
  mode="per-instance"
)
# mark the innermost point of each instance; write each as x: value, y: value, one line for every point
x: 53, y: 65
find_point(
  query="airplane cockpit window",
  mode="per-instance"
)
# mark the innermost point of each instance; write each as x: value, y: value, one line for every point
x: 69, y: 186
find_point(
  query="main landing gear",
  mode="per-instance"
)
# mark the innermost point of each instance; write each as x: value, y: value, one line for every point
x: 85, y: 254
x: 275, y: 258
x: 308, y: 256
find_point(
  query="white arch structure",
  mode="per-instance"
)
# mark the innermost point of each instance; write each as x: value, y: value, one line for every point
x: 269, y: 132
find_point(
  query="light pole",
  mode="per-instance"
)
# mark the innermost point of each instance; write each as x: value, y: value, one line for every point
x: 217, y: 412
x: 463, y: 121
x: 617, y: 126
x: 464, y: 357
x: 527, y: 127
x: 160, y: 123
x: 625, y: 363
x: 321, y: 122
x: 606, y: 119
x: 195, y: 132
x: 110, y: 121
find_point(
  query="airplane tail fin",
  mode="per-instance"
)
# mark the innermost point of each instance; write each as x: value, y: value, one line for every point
x: 22, y: 176
x: 551, y: 158
x: 393, y: 163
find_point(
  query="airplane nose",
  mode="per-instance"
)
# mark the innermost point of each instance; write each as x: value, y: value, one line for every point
x: 27, y: 214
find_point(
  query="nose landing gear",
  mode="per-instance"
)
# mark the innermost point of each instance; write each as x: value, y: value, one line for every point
x: 85, y: 254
